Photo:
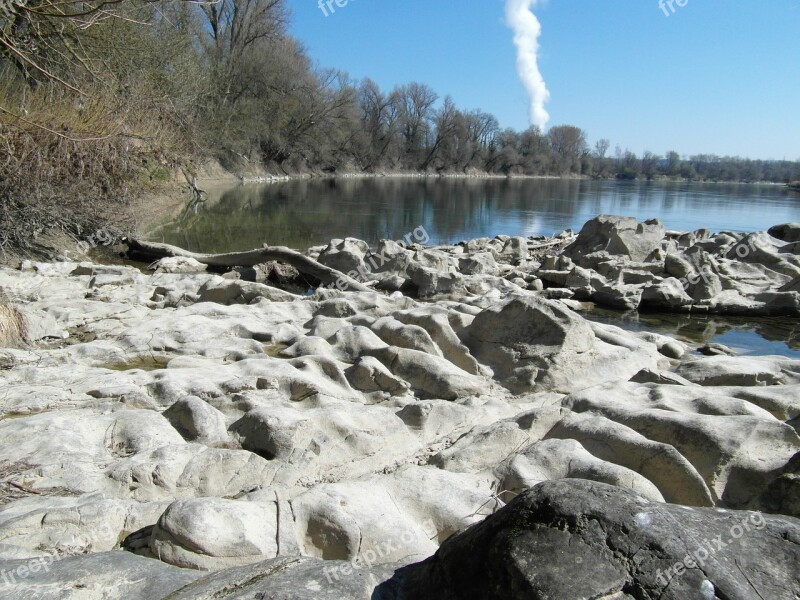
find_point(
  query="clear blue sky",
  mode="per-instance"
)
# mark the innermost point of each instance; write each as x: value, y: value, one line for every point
x: 717, y: 76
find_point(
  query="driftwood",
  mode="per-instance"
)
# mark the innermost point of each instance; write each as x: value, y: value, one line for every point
x: 554, y: 242
x: 23, y: 488
x: 150, y: 251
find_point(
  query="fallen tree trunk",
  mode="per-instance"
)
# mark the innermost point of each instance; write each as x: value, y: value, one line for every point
x: 551, y: 243
x: 150, y: 251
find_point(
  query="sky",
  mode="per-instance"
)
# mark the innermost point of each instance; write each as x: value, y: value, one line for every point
x: 714, y: 76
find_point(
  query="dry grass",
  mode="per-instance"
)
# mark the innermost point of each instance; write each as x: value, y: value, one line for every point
x: 12, y: 327
x: 13, y: 485
x: 74, y: 165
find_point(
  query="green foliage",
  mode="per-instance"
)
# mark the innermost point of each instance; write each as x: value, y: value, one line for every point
x: 687, y: 171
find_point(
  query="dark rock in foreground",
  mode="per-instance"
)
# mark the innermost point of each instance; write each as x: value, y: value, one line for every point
x: 572, y: 539
x: 108, y: 575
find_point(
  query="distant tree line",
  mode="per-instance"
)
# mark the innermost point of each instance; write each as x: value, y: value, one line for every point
x: 98, y: 95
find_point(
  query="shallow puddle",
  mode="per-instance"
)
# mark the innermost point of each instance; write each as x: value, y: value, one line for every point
x: 143, y: 362
x: 747, y: 336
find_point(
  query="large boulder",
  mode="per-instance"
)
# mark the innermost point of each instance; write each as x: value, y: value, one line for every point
x: 289, y: 578
x: 533, y: 344
x: 178, y: 264
x: 787, y: 232
x: 430, y: 376
x: 619, y: 236
x: 515, y: 249
x: 344, y: 255
x: 431, y: 281
x: 479, y: 263
x: 575, y: 539
x: 212, y: 533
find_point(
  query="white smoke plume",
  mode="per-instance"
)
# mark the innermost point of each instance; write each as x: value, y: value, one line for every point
x: 526, y: 27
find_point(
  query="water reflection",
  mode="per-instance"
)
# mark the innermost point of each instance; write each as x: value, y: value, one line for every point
x: 303, y: 213
x: 746, y: 335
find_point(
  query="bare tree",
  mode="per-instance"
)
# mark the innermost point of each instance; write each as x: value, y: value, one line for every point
x: 41, y: 37
x: 379, y: 119
x: 416, y: 104
x: 234, y: 25
x: 569, y: 145
x: 601, y: 148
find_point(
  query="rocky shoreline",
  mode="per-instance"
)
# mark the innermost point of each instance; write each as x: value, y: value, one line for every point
x: 460, y: 432
x: 614, y: 262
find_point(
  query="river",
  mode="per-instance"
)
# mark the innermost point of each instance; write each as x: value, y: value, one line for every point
x: 303, y: 213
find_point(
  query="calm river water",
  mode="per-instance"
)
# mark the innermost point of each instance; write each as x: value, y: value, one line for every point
x: 304, y: 213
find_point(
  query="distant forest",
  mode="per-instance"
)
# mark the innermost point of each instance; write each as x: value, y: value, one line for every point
x: 101, y: 99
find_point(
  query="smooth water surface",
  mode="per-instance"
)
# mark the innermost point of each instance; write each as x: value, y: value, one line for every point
x: 304, y: 213
x: 747, y: 336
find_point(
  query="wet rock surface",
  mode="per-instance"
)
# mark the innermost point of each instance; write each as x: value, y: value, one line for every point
x: 238, y: 439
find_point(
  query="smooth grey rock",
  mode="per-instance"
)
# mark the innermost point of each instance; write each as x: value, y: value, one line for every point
x: 617, y: 295
x: 430, y: 376
x: 290, y: 579
x: 336, y: 308
x: 515, y: 248
x: 102, y: 576
x: 714, y: 349
x: 534, y: 344
x: 744, y: 371
x: 178, y: 264
x: 432, y: 281
x: 211, y: 533
x: 618, y: 236
x: 344, y: 255
x: 188, y: 470
x: 369, y: 375
x: 567, y: 459
x: 669, y: 294
x: 481, y: 263
x: 196, y: 420
x: 737, y: 448
x: 661, y: 377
